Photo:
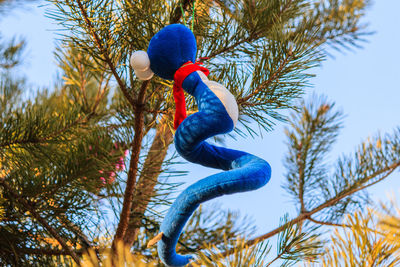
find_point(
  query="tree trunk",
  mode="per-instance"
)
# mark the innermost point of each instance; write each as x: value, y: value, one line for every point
x: 148, y: 179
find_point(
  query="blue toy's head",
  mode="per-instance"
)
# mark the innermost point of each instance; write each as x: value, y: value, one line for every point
x: 170, y: 48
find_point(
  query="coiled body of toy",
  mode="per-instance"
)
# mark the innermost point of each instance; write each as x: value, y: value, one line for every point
x: 243, y: 171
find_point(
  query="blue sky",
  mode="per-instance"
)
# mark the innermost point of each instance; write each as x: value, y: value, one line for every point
x: 363, y: 83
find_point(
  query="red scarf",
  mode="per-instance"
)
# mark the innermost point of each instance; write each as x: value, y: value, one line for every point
x: 179, y: 97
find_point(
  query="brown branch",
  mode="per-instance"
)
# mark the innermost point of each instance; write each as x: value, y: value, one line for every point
x: 42, y: 251
x: 306, y: 216
x: 82, y: 85
x: 177, y: 13
x: 84, y: 240
x: 388, y: 170
x: 38, y: 251
x: 301, y: 187
x: 327, y: 223
x: 133, y: 165
x: 106, y: 55
x: 100, y: 91
x: 342, y: 225
x: 49, y: 251
x: 148, y: 179
x: 27, y: 206
x: 276, y: 258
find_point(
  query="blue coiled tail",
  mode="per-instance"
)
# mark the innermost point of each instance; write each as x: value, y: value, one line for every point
x: 243, y: 171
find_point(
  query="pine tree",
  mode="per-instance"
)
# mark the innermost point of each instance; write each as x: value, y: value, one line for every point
x: 368, y: 238
x: 63, y: 153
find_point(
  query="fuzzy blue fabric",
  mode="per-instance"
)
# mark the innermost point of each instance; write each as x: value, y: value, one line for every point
x: 170, y: 48
x: 243, y: 171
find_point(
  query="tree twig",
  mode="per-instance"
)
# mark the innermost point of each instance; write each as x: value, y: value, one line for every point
x: 306, y: 216
x: 342, y: 225
x: 177, y: 13
x: 78, y: 121
x: 27, y: 206
x: 49, y: 251
x: 327, y: 223
x: 301, y: 185
x: 252, y: 37
x: 275, y: 259
x: 106, y: 55
x: 271, y: 78
x: 133, y: 165
x: 148, y: 178
x: 41, y: 251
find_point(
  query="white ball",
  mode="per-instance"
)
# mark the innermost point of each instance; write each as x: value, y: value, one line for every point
x: 144, y: 75
x: 140, y: 60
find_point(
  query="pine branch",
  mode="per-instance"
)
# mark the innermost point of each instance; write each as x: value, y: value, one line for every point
x: 253, y: 36
x: 26, y: 205
x: 84, y: 240
x: 79, y: 121
x: 45, y: 251
x: 388, y: 170
x: 271, y: 78
x: 277, y: 257
x: 148, y: 179
x: 133, y: 165
x: 42, y: 251
x: 301, y: 190
x: 363, y: 241
x: 177, y: 13
x: 82, y: 84
x: 100, y: 92
x: 306, y: 216
x: 313, y: 132
x: 327, y: 223
x: 232, y: 46
x: 342, y: 225
x: 106, y: 55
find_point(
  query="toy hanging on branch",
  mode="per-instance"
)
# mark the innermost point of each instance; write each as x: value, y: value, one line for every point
x: 170, y: 55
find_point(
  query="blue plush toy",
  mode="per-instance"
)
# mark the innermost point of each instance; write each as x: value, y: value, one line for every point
x: 170, y: 55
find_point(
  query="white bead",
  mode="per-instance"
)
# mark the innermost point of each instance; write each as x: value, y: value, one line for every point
x: 144, y: 75
x: 140, y: 60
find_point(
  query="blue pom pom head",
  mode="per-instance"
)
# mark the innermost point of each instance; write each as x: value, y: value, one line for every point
x: 170, y: 48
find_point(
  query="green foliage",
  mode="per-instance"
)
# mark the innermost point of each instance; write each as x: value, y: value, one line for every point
x: 373, y: 161
x: 119, y: 257
x: 10, y: 54
x: 84, y: 82
x: 310, y: 137
x: 208, y: 225
x: 59, y: 149
x: 368, y: 238
x: 261, y: 50
x: 323, y: 192
x: 51, y: 154
x: 56, y: 170
x: 309, y: 180
x: 243, y: 255
x: 296, y: 244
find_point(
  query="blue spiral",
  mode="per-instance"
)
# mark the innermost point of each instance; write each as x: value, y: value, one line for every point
x: 243, y: 171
